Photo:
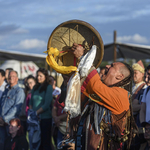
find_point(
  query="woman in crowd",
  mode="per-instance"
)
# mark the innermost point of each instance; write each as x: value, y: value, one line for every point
x: 41, y: 98
x: 31, y: 81
x: 17, y: 140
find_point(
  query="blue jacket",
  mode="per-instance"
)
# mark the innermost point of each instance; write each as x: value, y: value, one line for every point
x: 34, y: 130
x: 11, y: 103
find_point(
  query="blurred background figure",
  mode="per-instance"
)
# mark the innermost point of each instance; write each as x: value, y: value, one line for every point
x: 2, y: 82
x: 40, y: 102
x: 59, y: 116
x: 17, y: 140
x: 147, y: 75
x: 56, y: 90
x: 7, y: 73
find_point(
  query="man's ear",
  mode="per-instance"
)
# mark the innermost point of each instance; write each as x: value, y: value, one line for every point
x: 120, y: 76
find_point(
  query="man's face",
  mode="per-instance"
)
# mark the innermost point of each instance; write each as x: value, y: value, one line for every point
x: 12, y: 78
x: 138, y: 76
x: 2, y: 78
x: 111, y: 73
x: 147, y: 132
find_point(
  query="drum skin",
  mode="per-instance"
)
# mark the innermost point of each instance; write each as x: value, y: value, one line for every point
x: 75, y: 31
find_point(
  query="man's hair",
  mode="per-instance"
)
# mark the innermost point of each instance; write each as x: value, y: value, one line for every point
x: 2, y: 72
x: 10, y: 69
x: 13, y: 71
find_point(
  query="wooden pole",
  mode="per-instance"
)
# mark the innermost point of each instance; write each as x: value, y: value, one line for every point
x: 46, y: 65
x: 115, y: 49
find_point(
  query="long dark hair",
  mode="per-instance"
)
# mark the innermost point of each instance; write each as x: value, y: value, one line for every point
x: 20, y: 131
x: 46, y: 82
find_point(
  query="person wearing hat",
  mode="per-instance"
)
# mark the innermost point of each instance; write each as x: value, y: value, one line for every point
x: 138, y: 89
x: 146, y: 145
x: 138, y: 78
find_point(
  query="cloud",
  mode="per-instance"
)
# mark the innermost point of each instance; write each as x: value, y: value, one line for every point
x: 20, y: 31
x: 135, y: 38
x: 30, y: 44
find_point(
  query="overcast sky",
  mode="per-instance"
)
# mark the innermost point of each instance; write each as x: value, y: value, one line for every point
x: 25, y: 25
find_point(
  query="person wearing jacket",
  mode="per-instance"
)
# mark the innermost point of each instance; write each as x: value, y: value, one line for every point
x: 17, y: 140
x: 10, y: 105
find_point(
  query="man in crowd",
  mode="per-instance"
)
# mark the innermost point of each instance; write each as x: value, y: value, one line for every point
x: 7, y: 70
x: 138, y: 78
x: 108, y: 107
x: 138, y: 89
x: 10, y: 105
x: 145, y: 106
x: 147, y: 75
x: 2, y: 82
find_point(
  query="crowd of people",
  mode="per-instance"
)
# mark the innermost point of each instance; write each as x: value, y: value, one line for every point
x: 33, y: 117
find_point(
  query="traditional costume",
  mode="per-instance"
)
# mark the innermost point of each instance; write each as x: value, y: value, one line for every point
x: 105, y: 117
x: 106, y: 120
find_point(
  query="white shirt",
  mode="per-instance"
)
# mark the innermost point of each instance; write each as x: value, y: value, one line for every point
x: 56, y: 91
x: 134, y: 88
x: 146, y: 99
x: 2, y: 88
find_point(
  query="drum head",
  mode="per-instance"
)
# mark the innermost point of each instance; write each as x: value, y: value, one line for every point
x: 75, y: 31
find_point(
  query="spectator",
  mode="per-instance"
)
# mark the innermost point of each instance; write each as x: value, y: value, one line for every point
x: 147, y: 75
x: 41, y: 99
x: 138, y: 90
x: 145, y: 106
x: 146, y: 145
x: 7, y: 70
x: 2, y: 82
x: 59, y: 116
x: 10, y: 105
x: 56, y: 90
x: 30, y: 82
x: 138, y: 78
x: 17, y: 140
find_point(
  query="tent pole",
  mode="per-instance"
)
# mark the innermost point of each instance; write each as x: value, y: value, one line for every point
x: 46, y: 65
x: 115, y: 51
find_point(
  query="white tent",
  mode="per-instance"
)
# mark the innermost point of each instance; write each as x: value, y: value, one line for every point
x: 24, y: 68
